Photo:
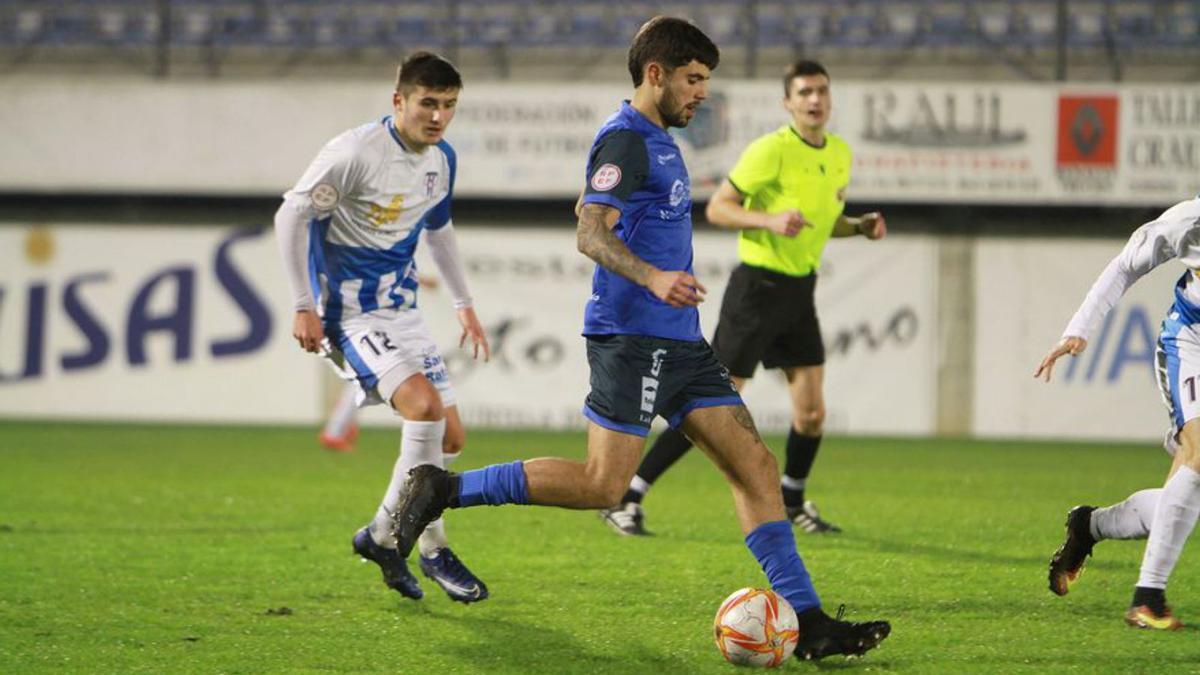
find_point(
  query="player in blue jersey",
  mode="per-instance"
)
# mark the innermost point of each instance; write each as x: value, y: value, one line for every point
x: 646, y: 353
x: 348, y: 231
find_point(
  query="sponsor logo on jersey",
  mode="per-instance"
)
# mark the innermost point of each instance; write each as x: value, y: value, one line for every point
x: 324, y: 196
x: 679, y: 191
x: 430, y: 182
x: 383, y: 215
x: 606, y: 178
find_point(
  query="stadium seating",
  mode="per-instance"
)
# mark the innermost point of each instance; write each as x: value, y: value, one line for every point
x: 219, y: 27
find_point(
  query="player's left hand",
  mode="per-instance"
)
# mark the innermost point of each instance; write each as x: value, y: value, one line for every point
x: 472, y: 329
x: 1069, y: 345
x: 872, y: 225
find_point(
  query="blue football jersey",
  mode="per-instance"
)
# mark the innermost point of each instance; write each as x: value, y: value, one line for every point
x: 635, y: 167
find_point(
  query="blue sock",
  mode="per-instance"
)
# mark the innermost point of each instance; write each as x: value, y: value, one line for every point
x: 774, y: 545
x: 494, y: 485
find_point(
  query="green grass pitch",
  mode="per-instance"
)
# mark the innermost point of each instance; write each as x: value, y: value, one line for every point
x: 175, y: 549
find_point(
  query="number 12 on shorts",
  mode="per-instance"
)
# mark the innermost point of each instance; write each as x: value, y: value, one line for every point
x: 382, y: 342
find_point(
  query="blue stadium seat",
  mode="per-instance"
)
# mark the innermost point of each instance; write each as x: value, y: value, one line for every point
x: 947, y: 24
x: 1181, y: 26
x: 1088, y: 24
x: 1135, y: 24
x: 801, y: 25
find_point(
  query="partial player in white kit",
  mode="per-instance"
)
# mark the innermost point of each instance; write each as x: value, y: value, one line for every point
x: 1167, y: 515
x: 348, y: 232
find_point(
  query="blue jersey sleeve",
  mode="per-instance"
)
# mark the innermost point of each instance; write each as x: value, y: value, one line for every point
x: 617, y: 167
x: 440, y: 214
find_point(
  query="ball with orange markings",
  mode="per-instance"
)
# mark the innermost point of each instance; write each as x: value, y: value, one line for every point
x: 756, y: 627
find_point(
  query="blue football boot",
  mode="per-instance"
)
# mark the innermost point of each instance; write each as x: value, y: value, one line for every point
x: 447, y: 571
x: 394, y: 568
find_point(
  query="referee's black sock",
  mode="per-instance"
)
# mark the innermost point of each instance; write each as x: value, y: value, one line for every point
x: 801, y: 453
x: 667, y: 449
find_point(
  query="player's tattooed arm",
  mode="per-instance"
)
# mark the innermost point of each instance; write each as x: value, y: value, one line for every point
x: 742, y: 416
x: 595, y: 239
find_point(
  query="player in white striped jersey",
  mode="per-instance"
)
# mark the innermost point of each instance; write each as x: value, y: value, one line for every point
x: 348, y: 231
x: 1167, y: 515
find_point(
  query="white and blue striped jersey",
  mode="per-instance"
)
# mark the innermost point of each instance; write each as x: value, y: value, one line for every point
x: 368, y: 198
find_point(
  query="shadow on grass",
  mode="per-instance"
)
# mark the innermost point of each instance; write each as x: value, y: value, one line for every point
x: 486, y: 644
x: 1038, y: 558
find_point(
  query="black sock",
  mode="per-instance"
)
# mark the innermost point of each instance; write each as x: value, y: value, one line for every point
x: 812, y: 617
x: 1154, y: 598
x: 667, y: 449
x: 801, y: 453
x: 453, y: 486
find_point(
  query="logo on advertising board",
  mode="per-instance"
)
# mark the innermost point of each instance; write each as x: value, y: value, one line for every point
x: 946, y: 141
x: 162, y: 307
x: 1160, y: 144
x: 949, y: 120
x: 1086, y: 157
x: 1087, y: 131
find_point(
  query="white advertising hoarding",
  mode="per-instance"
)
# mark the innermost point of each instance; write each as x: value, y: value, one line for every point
x: 875, y: 299
x: 965, y: 142
x: 1026, y: 291
x: 148, y: 323
x: 156, y: 323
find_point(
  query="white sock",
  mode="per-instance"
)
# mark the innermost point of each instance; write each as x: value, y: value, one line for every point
x: 1130, y: 519
x: 433, y: 539
x: 1174, y: 518
x: 343, y: 413
x: 792, y: 483
x: 639, y: 485
x: 420, y: 444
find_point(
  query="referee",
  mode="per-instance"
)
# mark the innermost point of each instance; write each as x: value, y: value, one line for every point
x: 785, y: 197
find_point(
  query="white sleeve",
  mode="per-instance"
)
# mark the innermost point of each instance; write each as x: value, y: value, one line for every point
x: 443, y: 248
x: 1151, y: 245
x: 291, y: 232
x: 334, y: 173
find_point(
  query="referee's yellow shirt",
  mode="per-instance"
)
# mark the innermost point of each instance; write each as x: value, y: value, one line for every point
x: 778, y: 172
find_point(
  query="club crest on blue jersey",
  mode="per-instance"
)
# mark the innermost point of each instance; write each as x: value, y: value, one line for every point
x: 679, y: 192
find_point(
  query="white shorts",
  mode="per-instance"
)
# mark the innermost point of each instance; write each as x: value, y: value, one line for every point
x: 1177, y: 366
x: 382, y: 349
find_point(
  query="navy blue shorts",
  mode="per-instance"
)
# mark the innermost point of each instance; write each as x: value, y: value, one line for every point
x: 636, y: 377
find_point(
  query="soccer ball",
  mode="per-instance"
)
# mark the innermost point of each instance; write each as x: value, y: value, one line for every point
x: 756, y: 627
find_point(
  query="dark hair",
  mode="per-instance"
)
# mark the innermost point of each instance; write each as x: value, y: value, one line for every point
x: 426, y: 69
x: 672, y: 43
x: 801, y: 69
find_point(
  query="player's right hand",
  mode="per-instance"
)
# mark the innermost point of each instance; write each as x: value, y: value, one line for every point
x: 1069, y: 345
x: 677, y: 289
x: 786, y: 223
x: 306, y: 328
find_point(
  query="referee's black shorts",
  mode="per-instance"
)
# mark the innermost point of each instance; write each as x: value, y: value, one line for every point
x: 768, y: 318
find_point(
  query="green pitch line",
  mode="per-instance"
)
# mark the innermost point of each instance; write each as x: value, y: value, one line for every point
x: 196, y: 549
